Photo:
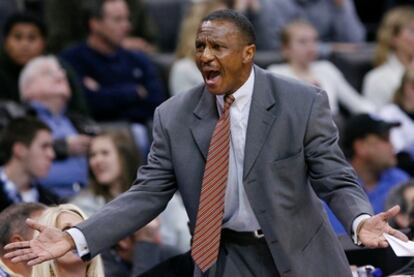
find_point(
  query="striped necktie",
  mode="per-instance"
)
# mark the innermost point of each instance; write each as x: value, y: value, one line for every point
x: 206, y: 240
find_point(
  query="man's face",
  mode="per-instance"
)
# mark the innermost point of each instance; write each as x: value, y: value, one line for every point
x: 49, y: 83
x: 379, y: 152
x: 38, y: 156
x: 114, y: 25
x: 222, y: 56
x: 24, y: 42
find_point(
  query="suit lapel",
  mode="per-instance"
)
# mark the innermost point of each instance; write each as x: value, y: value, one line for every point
x: 263, y: 112
x: 205, y: 119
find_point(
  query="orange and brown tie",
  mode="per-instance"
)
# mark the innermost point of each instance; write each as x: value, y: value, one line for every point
x: 206, y: 240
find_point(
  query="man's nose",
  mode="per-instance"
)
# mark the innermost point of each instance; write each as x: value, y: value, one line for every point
x: 207, y: 55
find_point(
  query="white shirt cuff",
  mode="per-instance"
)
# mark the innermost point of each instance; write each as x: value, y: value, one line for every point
x: 80, y: 241
x: 355, y: 225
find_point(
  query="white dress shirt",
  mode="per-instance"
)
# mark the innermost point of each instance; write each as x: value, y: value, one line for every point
x: 238, y: 214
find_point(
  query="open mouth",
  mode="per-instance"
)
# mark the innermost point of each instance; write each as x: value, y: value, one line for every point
x: 211, y: 76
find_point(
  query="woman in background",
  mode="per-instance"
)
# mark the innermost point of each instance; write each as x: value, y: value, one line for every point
x: 300, y: 48
x: 394, y: 54
x: 402, y: 110
x: 113, y: 162
x: 64, y: 217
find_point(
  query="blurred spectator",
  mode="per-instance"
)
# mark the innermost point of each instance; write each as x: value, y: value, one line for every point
x: 63, y: 217
x: 25, y: 39
x: 66, y: 24
x: 45, y: 89
x: 137, y: 253
x: 335, y: 20
x: 402, y: 110
x: 404, y: 197
x: 119, y: 84
x: 184, y: 73
x: 393, y: 55
x: 13, y: 228
x: 300, y: 49
x: 27, y: 147
x: 113, y: 163
x: 367, y: 144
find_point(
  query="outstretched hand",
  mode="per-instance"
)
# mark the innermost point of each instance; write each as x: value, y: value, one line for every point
x: 372, y: 230
x: 50, y: 244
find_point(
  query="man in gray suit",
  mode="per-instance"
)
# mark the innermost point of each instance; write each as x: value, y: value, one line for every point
x: 283, y: 156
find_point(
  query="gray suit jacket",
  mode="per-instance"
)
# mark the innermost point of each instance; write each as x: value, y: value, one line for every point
x: 291, y: 158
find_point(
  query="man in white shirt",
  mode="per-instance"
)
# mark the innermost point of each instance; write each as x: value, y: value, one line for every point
x: 283, y: 154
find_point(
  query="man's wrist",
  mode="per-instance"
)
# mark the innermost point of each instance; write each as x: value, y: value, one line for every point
x: 70, y: 240
x: 357, y: 226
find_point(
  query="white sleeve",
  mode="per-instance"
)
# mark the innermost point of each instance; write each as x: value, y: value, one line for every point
x: 355, y: 225
x: 80, y: 241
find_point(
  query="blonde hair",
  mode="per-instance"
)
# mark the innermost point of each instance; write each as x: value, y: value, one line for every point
x: 189, y: 27
x: 49, y: 268
x: 407, y: 78
x: 394, y: 21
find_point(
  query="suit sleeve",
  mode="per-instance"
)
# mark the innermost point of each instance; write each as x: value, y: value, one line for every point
x: 332, y: 178
x: 154, y: 187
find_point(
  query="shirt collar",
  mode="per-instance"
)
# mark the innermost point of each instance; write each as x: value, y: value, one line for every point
x: 41, y: 109
x: 243, y: 95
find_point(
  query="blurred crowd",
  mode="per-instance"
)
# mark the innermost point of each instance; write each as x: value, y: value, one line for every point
x: 80, y: 80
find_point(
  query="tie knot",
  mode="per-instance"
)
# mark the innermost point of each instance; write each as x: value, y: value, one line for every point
x: 228, y: 100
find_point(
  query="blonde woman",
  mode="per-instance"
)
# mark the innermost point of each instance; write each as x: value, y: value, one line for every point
x: 393, y: 55
x: 402, y: 110
x: 300, y: 49
x: 63, y: 217
x: 184, y: 73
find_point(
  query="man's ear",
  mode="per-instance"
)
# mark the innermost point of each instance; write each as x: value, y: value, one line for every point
x: 93, y: 24
x: 19, y: 150
x: 16, y: 238
x: 359, y: 147
x: 248, y: 53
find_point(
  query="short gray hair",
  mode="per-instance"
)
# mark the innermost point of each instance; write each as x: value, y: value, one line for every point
x: 30, y: 70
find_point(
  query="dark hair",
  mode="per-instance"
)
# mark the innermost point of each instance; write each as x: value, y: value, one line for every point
x: 95, y: 9
x: 129, y: 157
x: 23, y: 130
x: 396, y: 197
x: 23, y: 18
x: 12, y: 221
x: 238, y: 19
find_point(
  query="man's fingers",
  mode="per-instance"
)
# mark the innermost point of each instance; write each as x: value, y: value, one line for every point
x: 34, y: 225
x: 398, y: 234
x: 23, y: 258
x: 36, y: 261
x: 16, y: 245
x: 390, y: 213
x: 18, y: 253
